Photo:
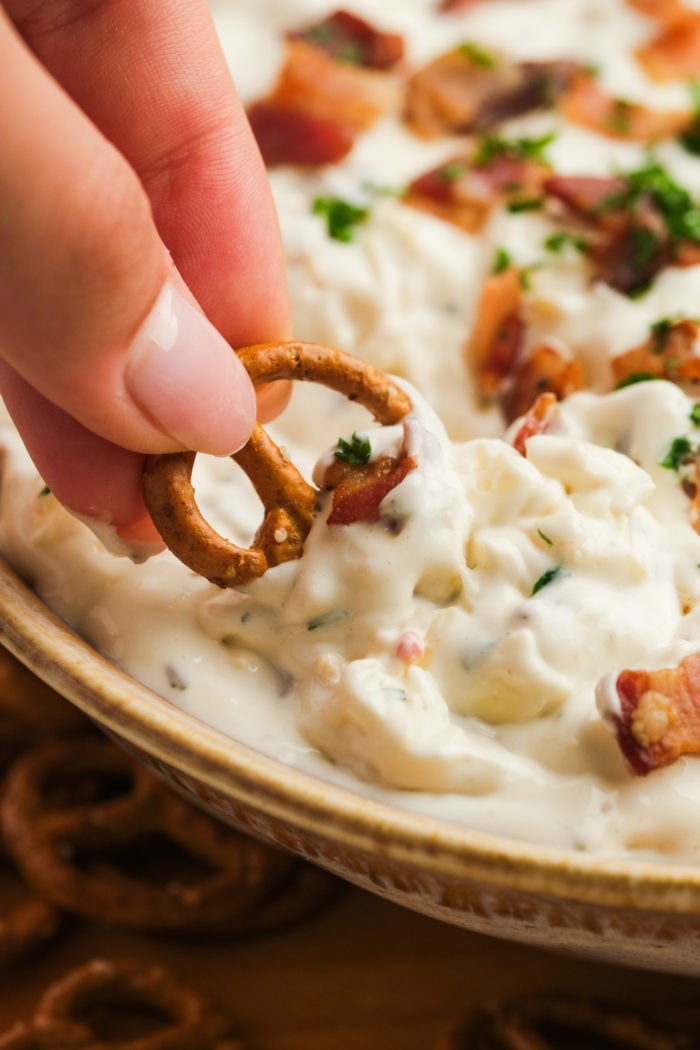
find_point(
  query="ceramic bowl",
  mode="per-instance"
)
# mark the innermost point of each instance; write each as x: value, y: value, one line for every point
x: 631, y: 913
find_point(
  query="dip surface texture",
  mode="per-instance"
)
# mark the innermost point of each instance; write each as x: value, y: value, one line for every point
x: 458, y: 653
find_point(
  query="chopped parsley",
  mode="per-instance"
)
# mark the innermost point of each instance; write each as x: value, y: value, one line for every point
x: 675, y: 204
x: 356, y: 451
x: 46, y: 491
x: 451, y: 171
x: 695, y: 414
x: 544, y: 537
x: 342, y: 217
x: 645, y: 243
x: 325, y: 619
x: 680, y: 448
x: 492, y: 146
x: 660, y: 331
x: 635, y: 377
x: 477, y: 54
x: 619, y: 118
x: 548, y: 577
x: 525, y: 204
x: 558, y: 241
x: 502, y: 260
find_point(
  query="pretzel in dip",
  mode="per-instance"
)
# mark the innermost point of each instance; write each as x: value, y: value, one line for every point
x: 290, y: 502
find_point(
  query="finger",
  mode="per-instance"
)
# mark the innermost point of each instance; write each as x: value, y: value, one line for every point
x: 83, y: 471
x: 85, y: 316
x: 151, y: 75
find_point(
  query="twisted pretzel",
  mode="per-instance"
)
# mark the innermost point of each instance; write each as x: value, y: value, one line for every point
x: 25, y: 924
x: 110, y: 989
x: 289, y: 501
x: 551, y: 1023
x: 29, y: 709
x: 86, y: 824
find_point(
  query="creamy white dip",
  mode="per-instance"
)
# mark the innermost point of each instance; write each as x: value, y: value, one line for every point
x: 448, y: 663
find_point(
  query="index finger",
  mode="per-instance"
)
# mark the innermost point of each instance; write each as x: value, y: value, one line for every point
x: 152, y: 76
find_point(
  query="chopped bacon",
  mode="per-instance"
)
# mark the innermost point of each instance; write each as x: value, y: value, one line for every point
x: 657, y: 715
x: 674, y: 53
x: 464, y: 192
x: 630, y: 242
x: 292, y: 136
x: 669, y: 353
x: 544, y: 370
x: 347, y: 38
x: 586, y: 103
x: 497, y: 332
x: 318, y: 106
x: 663, y: 10
x: 410, y: 648
x: 359, y: 490
x: 537, y: 421
x: 458, y: 91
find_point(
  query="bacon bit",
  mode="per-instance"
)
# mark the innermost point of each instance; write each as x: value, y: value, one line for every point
x: 659, y: 715
x: 545, y: 369
x: 674, y: 53
x: 359, y: 491
x: 630, y: 243
x: 465, y: 193
x: 456, y: 93
x: 318, y: 106
x: 347, y: 38
x: 538, y: 420
x: 292, y: 136
x: 498, y: 331
x: 410, y: 648
x: 586, y: 103
x: 667, y: 354
x: 662, y: 10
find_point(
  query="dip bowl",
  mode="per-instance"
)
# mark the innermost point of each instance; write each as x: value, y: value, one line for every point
x: 631, y: 913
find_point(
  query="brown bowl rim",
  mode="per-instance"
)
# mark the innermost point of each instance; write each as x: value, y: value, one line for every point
x: 59, y: 656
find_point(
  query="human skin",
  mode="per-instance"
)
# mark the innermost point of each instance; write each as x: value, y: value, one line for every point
x: 138, y: 243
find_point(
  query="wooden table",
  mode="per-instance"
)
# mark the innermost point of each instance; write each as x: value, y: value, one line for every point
x: 364, y: 975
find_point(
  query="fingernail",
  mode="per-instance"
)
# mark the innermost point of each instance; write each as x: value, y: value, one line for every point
x: 186, y: 379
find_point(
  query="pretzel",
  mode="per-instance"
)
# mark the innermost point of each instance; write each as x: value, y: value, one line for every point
x: 84, y: 821
x: 26, y: 923
x: 29, y: 709
x: 109, y: 989
x: 289, y: 501
x: 551, y: 1023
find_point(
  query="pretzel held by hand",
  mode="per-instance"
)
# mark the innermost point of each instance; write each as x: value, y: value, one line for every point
x: 289, y: 500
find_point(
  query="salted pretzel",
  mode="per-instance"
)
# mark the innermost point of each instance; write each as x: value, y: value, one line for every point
x: 99, y: 834
x: 553, y: 1023
x: 290, y: 502
x: 111, y: 991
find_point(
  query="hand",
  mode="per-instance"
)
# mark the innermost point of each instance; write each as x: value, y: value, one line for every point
x: 131, y: 190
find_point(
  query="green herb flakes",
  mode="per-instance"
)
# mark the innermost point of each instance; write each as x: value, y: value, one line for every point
x: 326, y: 619
x: 695, y: 414
x: 356, y: 451
x: 502, y: 260
x: 46, y: 491
x: 477, y: 54
x: 492, y: 146
x: 342, y: 217
x: 635, y: 377
x: 525, y: 204
x: 560, y: 240
x: 680, y: 448
x: 544, y: 537
x: 555, y: 573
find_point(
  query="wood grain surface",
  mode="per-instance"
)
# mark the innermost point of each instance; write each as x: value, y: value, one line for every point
x: 365, y: 974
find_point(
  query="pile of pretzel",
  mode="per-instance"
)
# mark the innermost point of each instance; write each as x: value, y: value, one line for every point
x: 88, y: 832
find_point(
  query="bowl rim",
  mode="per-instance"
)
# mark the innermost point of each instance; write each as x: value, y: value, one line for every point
x: 307, y: 803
